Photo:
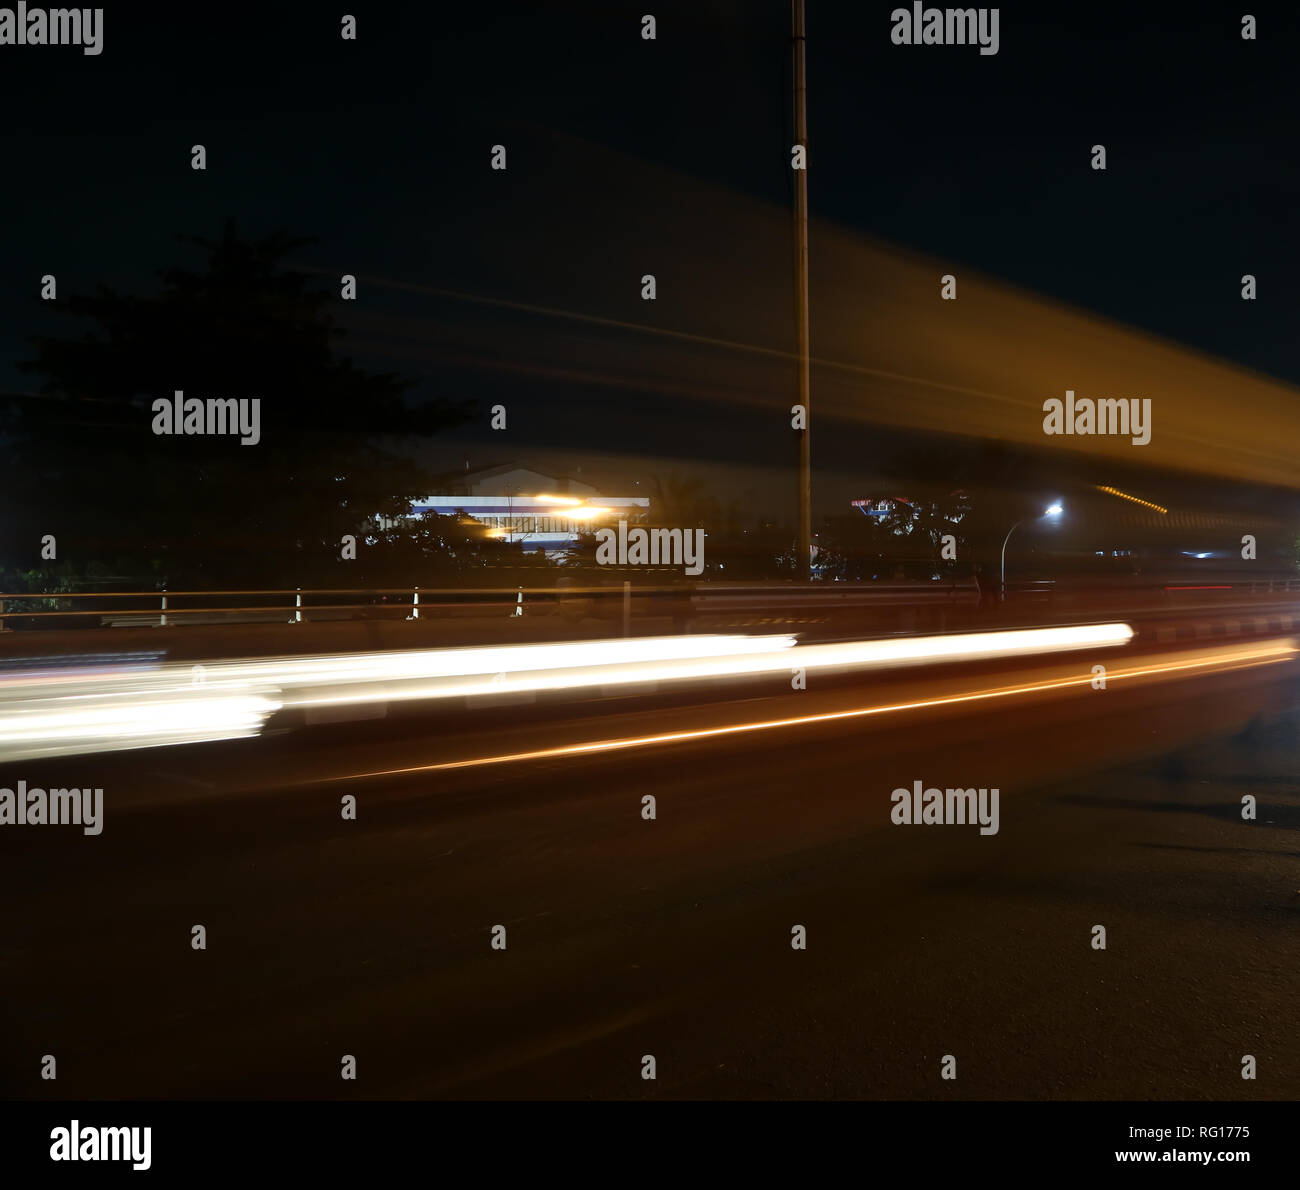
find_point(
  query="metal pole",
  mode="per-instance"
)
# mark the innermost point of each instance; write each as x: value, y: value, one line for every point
x: 801, y: 297
x: 163, y: 623
x: 1002, y: 594
x: 297, y: 606
x: 415, y: 605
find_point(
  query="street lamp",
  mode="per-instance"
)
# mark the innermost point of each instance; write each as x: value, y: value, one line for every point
x: 1053, y: 511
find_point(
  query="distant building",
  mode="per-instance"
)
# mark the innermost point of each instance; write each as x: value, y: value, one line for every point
x: 908, y: 509
x: 880, y: 507
x: 540, y: 511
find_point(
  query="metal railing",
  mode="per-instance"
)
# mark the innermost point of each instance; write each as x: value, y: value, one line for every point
x: 296, y: 605
x: 161, y: 607
x: 1274, y: 586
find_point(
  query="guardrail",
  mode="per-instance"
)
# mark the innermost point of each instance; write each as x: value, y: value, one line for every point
x: 164, y: 608
x: 165, y: 602
x: 290, y: 603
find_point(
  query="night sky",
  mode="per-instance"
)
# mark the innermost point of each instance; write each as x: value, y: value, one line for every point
x: 379, y: 148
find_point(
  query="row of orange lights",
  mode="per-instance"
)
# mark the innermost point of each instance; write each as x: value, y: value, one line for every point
x: 1133, y: 499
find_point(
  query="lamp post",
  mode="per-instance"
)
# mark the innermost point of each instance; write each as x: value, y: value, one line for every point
x: 804, y: 568
x: 1052, y: 510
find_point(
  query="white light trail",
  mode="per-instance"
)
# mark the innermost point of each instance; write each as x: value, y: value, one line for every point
x: 89, y: 710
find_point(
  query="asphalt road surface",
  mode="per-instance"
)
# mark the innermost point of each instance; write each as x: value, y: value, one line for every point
x: 672, y: 937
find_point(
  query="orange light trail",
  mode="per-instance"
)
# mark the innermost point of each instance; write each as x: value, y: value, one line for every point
x: 1241, y: 659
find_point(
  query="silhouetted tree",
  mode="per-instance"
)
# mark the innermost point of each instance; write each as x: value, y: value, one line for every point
x: 84, y: 463
x: 437, y: 549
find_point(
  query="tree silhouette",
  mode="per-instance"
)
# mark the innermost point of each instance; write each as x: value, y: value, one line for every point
x: 442, y: 549
x: 85, y: 464
x: 683, y: 502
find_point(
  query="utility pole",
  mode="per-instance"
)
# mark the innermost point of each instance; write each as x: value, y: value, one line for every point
x: 801, y: 297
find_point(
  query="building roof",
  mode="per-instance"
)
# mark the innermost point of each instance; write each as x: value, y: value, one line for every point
x: 478, y: 481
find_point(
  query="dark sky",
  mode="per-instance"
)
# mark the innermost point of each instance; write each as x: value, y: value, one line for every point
x: 379, y: 148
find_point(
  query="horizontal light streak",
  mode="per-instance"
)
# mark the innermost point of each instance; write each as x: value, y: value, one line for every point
x: 176, y: 703
x: 110, y: 723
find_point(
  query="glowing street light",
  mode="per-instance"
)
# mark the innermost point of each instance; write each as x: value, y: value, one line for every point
x: 1053, y: 510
